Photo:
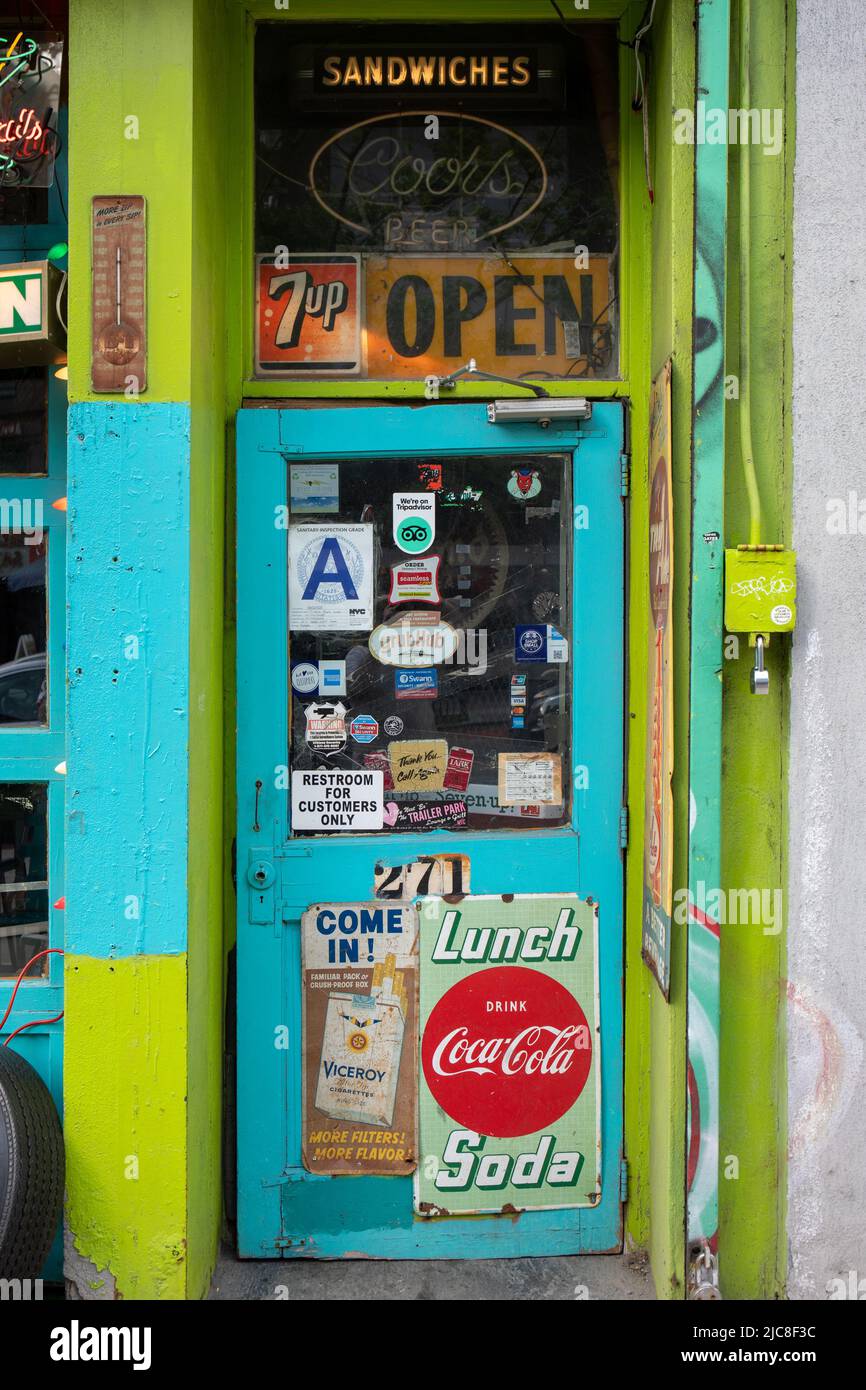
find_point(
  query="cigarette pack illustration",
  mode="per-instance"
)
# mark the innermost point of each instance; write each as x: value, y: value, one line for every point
x: 362, y: 1046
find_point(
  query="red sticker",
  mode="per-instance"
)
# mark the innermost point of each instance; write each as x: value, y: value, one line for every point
x: 378, y: 762
x: 459, y: 769
x: 506, y: 1051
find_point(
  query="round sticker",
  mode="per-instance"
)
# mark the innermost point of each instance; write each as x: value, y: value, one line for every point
x: 305, y: 677
x: 393, y: 725
x: 781, y: 614
x: 531, y: 642
x: 414, y: 534
x: 364, y: 728
x: 506, y: 1051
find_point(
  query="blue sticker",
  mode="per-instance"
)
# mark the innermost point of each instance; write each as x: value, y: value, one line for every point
x: 420, y: 684
x: 364, y: 728
x: 530, y: 643
x: 332, y: 677
x: 539, y: 642
x: 517, y: 721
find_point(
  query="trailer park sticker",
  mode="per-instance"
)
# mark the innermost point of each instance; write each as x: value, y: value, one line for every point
x: 360, y: 1055
x: 509, y: 1094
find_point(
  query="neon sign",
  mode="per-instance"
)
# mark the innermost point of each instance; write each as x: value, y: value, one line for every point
x: 29, y: 101
x: 393, y: 174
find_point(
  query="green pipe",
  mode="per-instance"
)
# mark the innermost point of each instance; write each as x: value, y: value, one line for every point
x: 746, y: 450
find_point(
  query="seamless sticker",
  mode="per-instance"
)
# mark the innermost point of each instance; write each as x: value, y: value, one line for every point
x: 414, y: 521
x: 415, y: 581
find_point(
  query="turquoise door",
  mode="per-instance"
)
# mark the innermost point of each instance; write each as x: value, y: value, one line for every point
x: 476, y: 640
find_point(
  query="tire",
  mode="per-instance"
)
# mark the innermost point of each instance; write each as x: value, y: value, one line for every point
x: 31, y: 1168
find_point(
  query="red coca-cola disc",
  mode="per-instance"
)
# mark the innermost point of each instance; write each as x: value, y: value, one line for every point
x: 508, y: 1070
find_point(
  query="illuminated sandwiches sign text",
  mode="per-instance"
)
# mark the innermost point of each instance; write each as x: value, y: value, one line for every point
x: 429, y: 70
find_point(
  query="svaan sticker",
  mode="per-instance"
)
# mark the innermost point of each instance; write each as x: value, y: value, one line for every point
x: 308, y: 315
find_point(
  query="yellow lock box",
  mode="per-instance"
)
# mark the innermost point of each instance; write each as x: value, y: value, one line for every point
x: 760, y: 589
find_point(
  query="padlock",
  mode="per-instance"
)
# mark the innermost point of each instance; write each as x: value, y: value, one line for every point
x: 760, y: 678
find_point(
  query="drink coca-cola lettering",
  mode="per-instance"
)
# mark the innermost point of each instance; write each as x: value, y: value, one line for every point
x: 505, y: 1081
x: 457, y: 1053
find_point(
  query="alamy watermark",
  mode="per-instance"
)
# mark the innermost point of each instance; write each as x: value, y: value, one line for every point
x: 715, y: 125
x: 23, y: 517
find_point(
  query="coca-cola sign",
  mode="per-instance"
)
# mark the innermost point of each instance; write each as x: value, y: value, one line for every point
x: 507, y: 1051
x: 510, y: 1062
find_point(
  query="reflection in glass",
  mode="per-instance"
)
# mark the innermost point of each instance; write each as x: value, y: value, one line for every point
x: 23, y: 420
x: 23, y: 670
x: 23, y: 876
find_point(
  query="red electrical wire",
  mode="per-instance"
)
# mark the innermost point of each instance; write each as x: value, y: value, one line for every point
x: 51, y: 951
x: 35, y: 1024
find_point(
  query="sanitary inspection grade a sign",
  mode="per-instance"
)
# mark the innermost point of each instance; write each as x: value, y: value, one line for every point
x: 331, y: 577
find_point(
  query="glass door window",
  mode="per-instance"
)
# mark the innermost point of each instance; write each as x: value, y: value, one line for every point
x: 459, y: 689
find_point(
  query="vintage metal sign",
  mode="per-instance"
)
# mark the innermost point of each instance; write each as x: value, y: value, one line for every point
x: 510, y: 1054
x: 658, y: 811
x: 360, y: 973
x: 118, y: 312
x: 308, y: 315
x: 429, y: 315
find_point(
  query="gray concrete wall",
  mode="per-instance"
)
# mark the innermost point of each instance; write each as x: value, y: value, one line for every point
x: 827, y: 840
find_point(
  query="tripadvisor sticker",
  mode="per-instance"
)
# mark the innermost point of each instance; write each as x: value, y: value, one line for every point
x: 414, y: 521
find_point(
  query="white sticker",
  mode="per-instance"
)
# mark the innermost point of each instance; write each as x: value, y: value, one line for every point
x: 337, y: 800
x: 781, y: 614
x: 314, y: 487
x: 526, y: 778
x: 414, y: 521
x: 305, y: 677
x: 331, y: 578
x: 326, y: 727
x: 415, y: 581
x: 557, y: 645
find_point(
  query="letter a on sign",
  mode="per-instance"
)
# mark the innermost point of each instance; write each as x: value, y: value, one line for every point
x: 330, y: 568
x: 331, y: 578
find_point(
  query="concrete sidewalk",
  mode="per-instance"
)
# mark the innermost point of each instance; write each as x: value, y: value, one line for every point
x: 595, y: 1277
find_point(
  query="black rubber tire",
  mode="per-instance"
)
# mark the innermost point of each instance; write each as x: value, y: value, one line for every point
x: 32, y: 1168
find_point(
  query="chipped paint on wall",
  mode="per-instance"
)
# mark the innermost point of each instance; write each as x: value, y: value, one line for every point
x: 128, y: 701
x: 126, y: 1124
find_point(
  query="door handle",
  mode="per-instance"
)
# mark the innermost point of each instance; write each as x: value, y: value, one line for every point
x: 261, y: 876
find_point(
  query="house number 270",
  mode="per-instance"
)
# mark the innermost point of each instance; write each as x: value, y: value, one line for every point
x: 324, y: 301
